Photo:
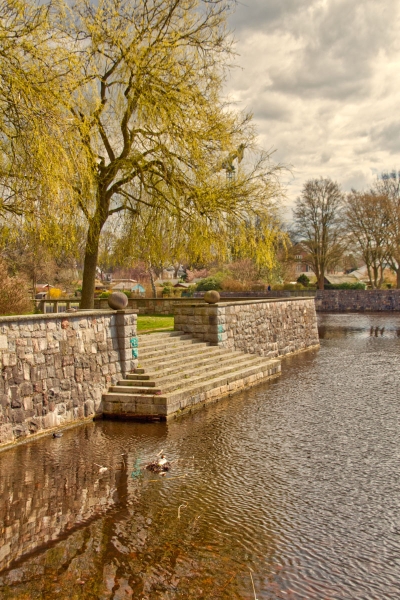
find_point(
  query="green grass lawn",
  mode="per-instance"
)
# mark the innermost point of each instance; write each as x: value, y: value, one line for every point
x: 150, y: 323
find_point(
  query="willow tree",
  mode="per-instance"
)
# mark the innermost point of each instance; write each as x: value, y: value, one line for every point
x: 251, y: 228
x: 153, y: 128
x: 37, y: 139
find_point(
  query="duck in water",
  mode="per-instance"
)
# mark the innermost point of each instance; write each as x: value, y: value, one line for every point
x: 159, y: 466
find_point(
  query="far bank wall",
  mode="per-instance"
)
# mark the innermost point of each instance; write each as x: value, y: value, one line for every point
x: 357, y: 300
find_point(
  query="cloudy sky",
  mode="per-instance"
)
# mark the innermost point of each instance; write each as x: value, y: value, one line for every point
x: 322, y: 78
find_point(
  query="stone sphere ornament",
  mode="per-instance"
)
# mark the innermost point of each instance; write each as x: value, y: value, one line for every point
x: 117, y: 301
x: 212, y: 297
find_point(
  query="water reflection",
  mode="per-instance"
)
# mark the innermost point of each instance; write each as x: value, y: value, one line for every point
x: 355, y: 325
x: 50, y: 487
x: 298, y: 480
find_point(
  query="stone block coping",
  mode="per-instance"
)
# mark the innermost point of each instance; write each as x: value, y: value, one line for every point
x: 63, y: 315
x: 224, y: 303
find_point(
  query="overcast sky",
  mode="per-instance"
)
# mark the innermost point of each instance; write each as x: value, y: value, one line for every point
x: 323, y: 81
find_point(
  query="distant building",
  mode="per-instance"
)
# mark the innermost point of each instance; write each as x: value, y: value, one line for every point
x: 339, y: 279
x: 138, y: 290
x: 123, y: 284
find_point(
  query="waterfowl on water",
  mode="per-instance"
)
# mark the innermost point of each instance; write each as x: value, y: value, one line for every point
x: 159, y: 466
x: 57, y: 435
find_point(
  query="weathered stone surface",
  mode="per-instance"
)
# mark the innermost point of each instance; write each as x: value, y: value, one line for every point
x: 270, y: 328
x: 211, y: 297
x: 118, y: 301
x: 58, y: 370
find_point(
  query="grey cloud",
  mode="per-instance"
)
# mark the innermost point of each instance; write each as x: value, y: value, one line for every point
x: 325, y: 157
x: 340, y: 44
x: 322, y: 80
x: 267, y: 108
x: 268, y: 14
x: 387, y: 137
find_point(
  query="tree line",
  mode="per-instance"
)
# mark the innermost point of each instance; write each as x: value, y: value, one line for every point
x: 327, y: 224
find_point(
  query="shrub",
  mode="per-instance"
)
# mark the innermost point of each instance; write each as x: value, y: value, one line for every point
x: 167, y: 290
x: 303, y: 279
x: 209, y: 283
x: 104, y: 294
x: 55, y: 293
x: 345, y: 286
x: 14, y: 293
x: 229, y: 284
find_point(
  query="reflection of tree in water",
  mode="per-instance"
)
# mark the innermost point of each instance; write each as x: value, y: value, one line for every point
x: 129, y: 554
x: 137, y: 550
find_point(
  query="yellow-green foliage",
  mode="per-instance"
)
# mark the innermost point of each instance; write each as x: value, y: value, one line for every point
x: 116, y: 108
x: 55, y: 293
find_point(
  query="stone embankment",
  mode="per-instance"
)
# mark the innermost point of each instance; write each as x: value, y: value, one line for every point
x: 61, y: 369
x: 56, y: 368
x: 270, y: 328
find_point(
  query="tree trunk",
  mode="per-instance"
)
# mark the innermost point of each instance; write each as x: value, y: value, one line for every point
x: 398, y: 278
x: 321, y: 284
x: 90, y: 264
x: 153, y: 286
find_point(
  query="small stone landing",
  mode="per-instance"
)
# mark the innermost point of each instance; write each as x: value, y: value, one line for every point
x: 178, y: 372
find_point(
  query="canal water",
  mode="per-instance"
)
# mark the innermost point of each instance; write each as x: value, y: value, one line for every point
x: 292, y: 487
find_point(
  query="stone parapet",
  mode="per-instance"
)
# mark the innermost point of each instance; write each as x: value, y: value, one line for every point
x: 270, y: 328
x: 55, y: 368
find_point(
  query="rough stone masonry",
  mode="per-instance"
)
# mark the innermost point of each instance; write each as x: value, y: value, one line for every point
x: 55, y: 368
x: 270, y: 328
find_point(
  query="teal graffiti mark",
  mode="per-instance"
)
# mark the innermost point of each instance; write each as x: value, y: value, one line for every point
x: 221, y: 329
x: 220, y: 337
x: 134, y: 342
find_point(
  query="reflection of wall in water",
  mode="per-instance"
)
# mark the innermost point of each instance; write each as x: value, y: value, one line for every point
x: 39, y: 503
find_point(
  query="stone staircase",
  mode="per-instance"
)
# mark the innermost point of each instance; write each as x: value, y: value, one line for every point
x: 177, y: 371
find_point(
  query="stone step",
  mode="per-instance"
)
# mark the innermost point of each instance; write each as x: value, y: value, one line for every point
x: 123, y: 389
x: 179, y: 399
x: 139, y: 405
x: 176, y: 366
x: 147, y: 342
x: 136, y: 382
x: 134, y: 407
x: 172, y: 381
x: 161, y: 335
x: 212, y: 375
x: 180, y: 356
x: 170, y: 350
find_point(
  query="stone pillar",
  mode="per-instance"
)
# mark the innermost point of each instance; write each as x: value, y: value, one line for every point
x: 127, y: 340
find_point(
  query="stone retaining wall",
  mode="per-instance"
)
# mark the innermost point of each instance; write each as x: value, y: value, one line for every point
x: 56, y: 368
x: 271, y: 328
x: 357, y: 300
